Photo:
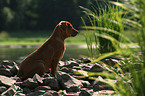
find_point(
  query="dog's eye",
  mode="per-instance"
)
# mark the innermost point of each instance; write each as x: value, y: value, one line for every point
x: 68, y: 25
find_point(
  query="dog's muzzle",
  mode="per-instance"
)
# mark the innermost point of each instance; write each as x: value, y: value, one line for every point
x: 74, y: 33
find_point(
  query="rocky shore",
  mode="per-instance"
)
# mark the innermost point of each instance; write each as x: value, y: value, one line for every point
x: 67, y: 83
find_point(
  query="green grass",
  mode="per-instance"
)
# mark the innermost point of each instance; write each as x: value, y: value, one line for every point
x: 130, y: 82
x: 34, y: 38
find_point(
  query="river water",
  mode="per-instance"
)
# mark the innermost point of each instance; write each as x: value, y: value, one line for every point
x: 17, y: 54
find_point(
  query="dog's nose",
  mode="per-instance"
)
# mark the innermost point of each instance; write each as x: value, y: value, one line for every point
x: 77, y: 31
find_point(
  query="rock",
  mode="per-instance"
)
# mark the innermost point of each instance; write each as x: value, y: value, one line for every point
x: 14, y: 69
x: 65, y: 69
x: 86, y: 84
x: 42, y: 88
x: 2, y: 89
x: 71, y: 94
x: 86, y: 68
x: 77, y: 67
x: 9, y: 92
x: 7, y: 63
x: 29, y: 83
x: 46, y: 75
x: 8, y: 68
x: 68, y: 82
x: 86, y: 60
x: 19, y: 94
x: 98, y: 85
x: 12, y: 90
x: 83, y: 60
x: 104, y: 93
x: 51, y: 93
x: 36, y: 93
x: 5, y: 72
x: 26, y: 90
x: 37, y: 78
x: 70, y: 64
x: 84, y: 92
x: 6, y: 81
x: 52, y: 82
x: 97, y: 68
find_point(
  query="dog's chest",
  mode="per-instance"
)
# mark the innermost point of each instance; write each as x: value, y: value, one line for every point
x: 60, y: 52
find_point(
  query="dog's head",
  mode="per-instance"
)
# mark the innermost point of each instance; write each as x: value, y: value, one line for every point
x: 67, y: 29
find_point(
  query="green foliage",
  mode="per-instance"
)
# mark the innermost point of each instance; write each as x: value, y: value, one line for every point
x: 130, y: 79
x: 39, y: 14
x: 106, y: 28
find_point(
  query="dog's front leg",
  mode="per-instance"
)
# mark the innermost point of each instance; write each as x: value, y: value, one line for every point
x: 54, y: 67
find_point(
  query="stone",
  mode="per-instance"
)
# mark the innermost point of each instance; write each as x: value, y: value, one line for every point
x: 70, y: 64
x: 36, y: 93
x: 86, y: 84
x: 84, y: 92
x: 29, y: 83
x: 5, y: 72
x: 6, y: 81
x: 19, y: 94
x: 46, y: 75
x: 73, y: 88
x: 12, y: 90
x: 51, y: 93
x: 68, y: 82
x: 71, y: 94
x: 14, y: 69
x: 65, y: 69
x: 52, y: 82
x: 104, y: 93
x: 97, y: 68
x: 7, y: 63
x: 77, y: 67
x: 8, y: 68
x: 42, y: 88
x: 98, y: 85
x: 86, y: 60
x: 9, y: 92
x: 37, y: 78
x: 26, y: 90
x: 2, y: 89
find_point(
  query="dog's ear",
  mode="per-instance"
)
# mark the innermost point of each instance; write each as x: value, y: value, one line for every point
x: 63, y: 25
x: 68, y: 25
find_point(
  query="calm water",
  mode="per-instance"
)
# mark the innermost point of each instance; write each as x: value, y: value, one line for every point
x: 18, y: 54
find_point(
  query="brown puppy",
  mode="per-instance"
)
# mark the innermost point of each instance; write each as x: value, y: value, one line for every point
x: 48, y: 55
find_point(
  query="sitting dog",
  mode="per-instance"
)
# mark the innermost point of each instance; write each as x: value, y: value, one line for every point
x: 47, y: 56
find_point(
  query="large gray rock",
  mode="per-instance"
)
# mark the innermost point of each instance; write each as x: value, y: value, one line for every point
x: 6, y: 81
x: 52, y: 82
x: 68, y: 82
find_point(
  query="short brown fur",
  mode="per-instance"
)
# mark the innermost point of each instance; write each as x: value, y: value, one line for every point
x: 47, y: 55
